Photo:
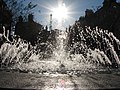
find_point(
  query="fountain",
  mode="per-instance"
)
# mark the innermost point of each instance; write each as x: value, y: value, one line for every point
x: 73, y: 52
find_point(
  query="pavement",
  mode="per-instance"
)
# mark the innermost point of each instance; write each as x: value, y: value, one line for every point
x: 46, y: 81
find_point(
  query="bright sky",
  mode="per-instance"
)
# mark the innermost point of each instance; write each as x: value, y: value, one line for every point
x: 76, y: 8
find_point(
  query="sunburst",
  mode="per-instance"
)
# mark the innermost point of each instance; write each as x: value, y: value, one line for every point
x: 60, y: 13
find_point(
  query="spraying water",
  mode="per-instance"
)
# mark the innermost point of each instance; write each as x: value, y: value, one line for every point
x: 60, y: 53
x: 69, y: 54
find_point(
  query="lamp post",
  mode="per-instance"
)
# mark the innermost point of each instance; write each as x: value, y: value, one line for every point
x: 50, y: 27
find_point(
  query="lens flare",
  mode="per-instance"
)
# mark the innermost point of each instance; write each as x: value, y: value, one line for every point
x: 60, y: 13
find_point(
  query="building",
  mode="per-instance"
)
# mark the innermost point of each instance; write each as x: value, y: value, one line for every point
x: 28, y: 30
x: 107, y: 17
x: 5, y: 17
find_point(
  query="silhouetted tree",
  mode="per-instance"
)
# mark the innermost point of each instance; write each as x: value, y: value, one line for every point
x: 19, y: 7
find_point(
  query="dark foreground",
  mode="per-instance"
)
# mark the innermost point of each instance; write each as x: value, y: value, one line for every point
x: 16, y: 80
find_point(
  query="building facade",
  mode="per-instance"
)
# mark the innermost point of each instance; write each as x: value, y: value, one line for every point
x: 28, y: 30
x: 107, y: 17
x: 5, y: 17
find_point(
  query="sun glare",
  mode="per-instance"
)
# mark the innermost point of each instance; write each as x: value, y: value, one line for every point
x: 60, y: 13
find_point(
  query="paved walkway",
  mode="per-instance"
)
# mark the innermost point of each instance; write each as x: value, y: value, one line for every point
x: 58, y: 81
